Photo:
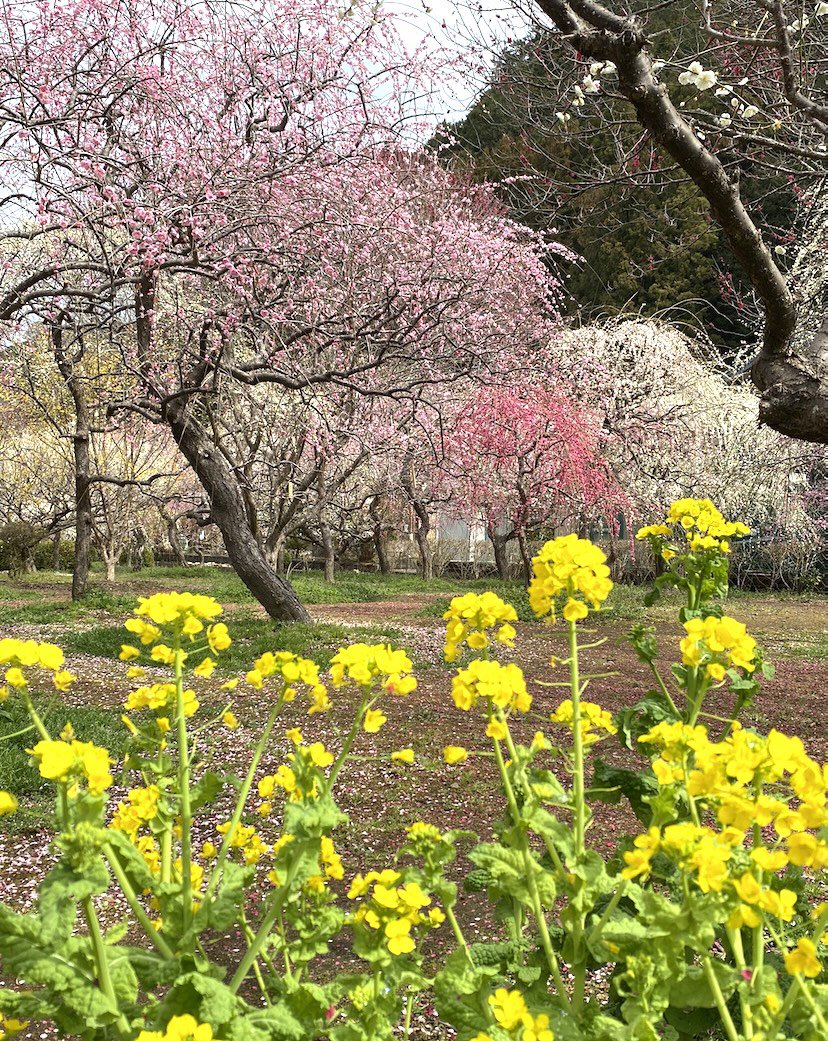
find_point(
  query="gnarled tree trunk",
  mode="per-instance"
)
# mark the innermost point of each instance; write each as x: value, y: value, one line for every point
x: 81, y: 452
x: 378, y: 535
x: 229, y: 513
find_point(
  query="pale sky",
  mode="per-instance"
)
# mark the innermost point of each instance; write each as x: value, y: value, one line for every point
x: 475, y: 31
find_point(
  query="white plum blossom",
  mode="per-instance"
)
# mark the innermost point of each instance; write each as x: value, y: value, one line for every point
x: 750, y: 112
x: 591, y: 86
x: 780, y: 251
x: 722, y: 92
x: 821, y: 9
x: 800, y: 25
x: 701, y: 78
x: 724, y: 119
x: 563, y: 117
x: 578, y: 100
x: 689, y: 76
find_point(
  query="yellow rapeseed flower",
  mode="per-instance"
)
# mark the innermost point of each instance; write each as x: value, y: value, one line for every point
x: 571, y: 567
x: 8, y: 803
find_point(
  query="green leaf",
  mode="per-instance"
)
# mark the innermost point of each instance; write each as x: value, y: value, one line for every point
x: 613, y: 782
x: 635, y: 721
x: 209, y: 786
x: 61, y: 891
x: 507, y: 868
x: 460, y: 992
x: 693, y: 991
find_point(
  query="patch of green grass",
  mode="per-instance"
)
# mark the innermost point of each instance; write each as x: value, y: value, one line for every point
x: 252, y: 636
x: 39, y: 611
x: 18, y: 775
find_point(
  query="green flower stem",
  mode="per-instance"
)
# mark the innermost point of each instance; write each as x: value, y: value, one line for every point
x: 718, y: 997
x: 35, y: 718
x: 263, y: 933
x: 695, y: 694
x: 17, y: 733
x: 365, y: 705
x: 595, y: 932
x: 241, y: 800
x: 803, y: 985
x: 579, y: 808
x: 102, y: 966
x: 458, y: 932
x: 577, y: 743
x: 166, y: 853
x: 820, y: 926
x: 530, y: 866
x: 758, y: 941
x: 409, y: 1006
x: 809, y: 999
x: 782, y: 1013
x: 797, y: 986
x: 158, y: 941
x: 662, y: 686
x: 550, y: 849
x: 280, y: 922
x: 183, y: 791
x: 257, y: 972
x: 735, y: 938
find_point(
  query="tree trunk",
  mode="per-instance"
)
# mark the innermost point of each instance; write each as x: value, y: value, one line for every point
x: 328, y: 550
x: 110, y: 562
x: 175, y: 541
x: 791, y: 378
x: 139, y: 537
x: 274, y: 549
x: 525, y: 556
x: 499, y: 547
x: 381, y: 550
x: 228, y: 512
x: 28, y: 562
x: 80, y: 443
x: 421, y: 535
x: 56, y: 551
x: 378, y: 535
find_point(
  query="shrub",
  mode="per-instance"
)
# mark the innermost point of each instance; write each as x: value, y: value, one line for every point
x: 701, y: 925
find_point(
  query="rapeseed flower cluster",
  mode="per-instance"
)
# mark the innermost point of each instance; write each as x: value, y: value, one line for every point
x: 26, y: 654
x: 470, y: 618
x: 361, y: 664
x: 180, y: 1028
x: 140, y: 807
x: 247, y: 840
x: 300, y: 777
x: 502, y: 686
x: 511, y: 1014
x: 422, y: 837
x: 179, y: 614
x: 718, y: 644
x: 701, y: 523
x: 593, y: 719
x: 571, y: 567
x: 292, y: 670
x: 393, y: 910
x: 161, y: 696
x: 70, y: 761
x: 745, y: 780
